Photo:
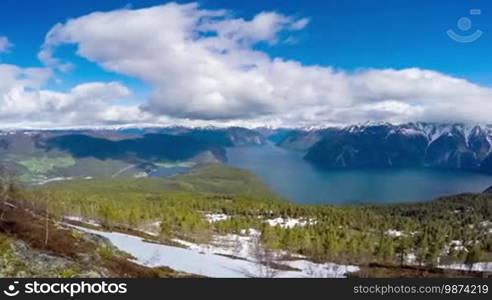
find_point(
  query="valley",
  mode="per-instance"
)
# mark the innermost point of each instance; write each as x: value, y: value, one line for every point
x: 277, y: 215
x: 245, y: 139
x: 302, y: 182
x: 374, y: 162
x: 214, y: 204
x: 41, y: 156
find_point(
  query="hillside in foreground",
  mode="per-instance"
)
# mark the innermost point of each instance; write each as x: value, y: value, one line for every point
x: 214, y: 204
x: 32, y: 245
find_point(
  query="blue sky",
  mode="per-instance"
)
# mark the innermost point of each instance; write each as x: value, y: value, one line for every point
x: 346, y: 35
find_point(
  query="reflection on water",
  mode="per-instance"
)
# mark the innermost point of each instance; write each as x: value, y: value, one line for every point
x: 166, y: 172
x: 295, y: 179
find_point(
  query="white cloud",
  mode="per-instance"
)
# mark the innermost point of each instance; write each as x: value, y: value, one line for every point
x: 5, y: 44
x: 13, y: 76
x: 200, y: 63
x: 24, y: 103
x: 204, y: 65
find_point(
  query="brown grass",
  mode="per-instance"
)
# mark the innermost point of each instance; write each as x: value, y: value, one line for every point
x: 26, y: 224
x: 388, y: 271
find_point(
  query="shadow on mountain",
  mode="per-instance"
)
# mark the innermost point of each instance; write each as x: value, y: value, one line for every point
x: 150, y: 147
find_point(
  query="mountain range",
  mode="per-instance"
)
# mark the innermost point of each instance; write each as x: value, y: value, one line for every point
x: 110, y: 151
x: 39, y: 156
x: 444, y: 146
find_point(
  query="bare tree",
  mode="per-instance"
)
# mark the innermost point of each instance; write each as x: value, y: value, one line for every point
x: 264, y: 259
x: 154, y: 259
x: 237, y: 246
x: 44, y: 200
x: 7, y: 184
x: 316, y: 271
x: 47, y: 223
x: 7, y: 188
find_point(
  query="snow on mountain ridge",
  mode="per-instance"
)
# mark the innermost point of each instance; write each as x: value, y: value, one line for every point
x: 432, y: 131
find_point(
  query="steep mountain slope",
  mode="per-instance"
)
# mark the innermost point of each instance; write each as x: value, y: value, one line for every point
x: 299, y: 139
x: 456, y: 147
x: 488, y: 190
x: 226, y: 137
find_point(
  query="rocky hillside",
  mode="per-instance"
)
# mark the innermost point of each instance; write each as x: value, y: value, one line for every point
x: 32, y: 245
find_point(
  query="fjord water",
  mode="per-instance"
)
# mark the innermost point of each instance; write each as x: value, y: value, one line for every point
x: 297, y: 180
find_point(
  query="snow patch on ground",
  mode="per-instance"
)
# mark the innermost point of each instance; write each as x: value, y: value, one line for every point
x: 485, y: 223
x: 410, y: 258
x: 82, y: 220
x: 45, y: 180
x: 457, y: 245
x: 480, y: 267
x: 241, y: 246
x: 394, y: 233
x: 212, y: 218
x: 290, y: 222
x: 152, y: 229
x: 140, y: 175
x: 197, y: 259
x: 321, y: 270
x: 54, y: 179
x: 282, y: 222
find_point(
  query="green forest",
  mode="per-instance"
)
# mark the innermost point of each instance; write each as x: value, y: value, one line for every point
x: 446, y: 230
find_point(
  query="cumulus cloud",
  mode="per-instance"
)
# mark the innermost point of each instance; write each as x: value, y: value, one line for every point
x: 24, y: 103
x: 204, y: 65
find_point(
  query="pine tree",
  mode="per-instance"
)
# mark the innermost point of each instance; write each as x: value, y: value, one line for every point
x: 404, y: 247
x: 474, y: 255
